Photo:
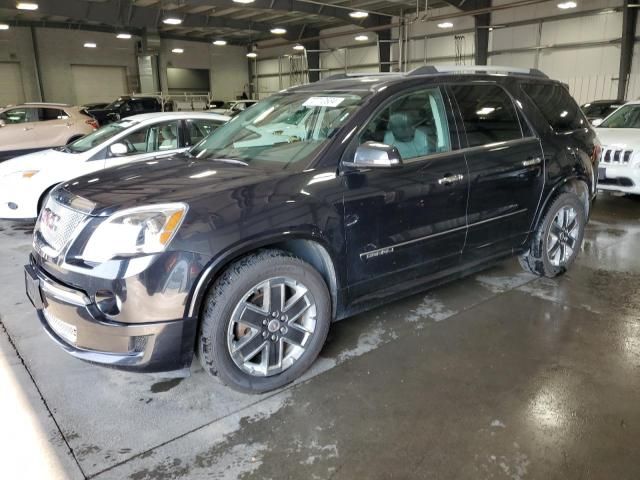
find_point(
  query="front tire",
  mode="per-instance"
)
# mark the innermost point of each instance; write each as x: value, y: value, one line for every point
x: 265, y: 321
x: 558, y: 238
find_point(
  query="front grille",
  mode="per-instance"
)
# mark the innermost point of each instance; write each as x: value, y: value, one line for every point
x: 618, y: 156
x: 57, y: 225
x: 65, y: 330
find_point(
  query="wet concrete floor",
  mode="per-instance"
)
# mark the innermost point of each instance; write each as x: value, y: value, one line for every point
x: 498, y: 376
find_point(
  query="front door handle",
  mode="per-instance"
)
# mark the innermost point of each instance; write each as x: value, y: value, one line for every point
x: 531, y: 161
x: 449, y: 179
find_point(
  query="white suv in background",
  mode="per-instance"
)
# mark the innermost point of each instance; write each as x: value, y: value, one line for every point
x: 619, y: 133
x: 25, y: 181
x: 35, y: 126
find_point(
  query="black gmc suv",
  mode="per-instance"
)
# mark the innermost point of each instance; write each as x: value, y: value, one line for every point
x: 318, y: 203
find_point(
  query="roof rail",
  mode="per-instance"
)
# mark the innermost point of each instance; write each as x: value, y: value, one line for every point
x: 54, y: 104
x: 342, y: 76
x: 433, y: 69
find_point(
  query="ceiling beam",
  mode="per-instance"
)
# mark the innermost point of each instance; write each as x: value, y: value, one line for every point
x: 301, y: 6
x: 468, y: 5
x: 123, y: 13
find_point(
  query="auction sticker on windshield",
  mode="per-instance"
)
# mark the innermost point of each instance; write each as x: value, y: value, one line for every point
x: 323, y: 102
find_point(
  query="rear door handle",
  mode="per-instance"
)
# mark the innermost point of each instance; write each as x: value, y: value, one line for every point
x: 449, y: 179
x: 531, y: 161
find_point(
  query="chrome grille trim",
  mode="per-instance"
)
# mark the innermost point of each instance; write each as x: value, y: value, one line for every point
x: 618, y: 156
x: 56, y: 231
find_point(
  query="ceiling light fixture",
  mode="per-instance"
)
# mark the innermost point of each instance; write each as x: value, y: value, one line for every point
x: 124, y: 36
x: 90, y: 45
x: 243, y: 1
x: 278, y: 31
x: 298, y: 47
x: 445, y: 25
x: 252, y: 54
x: 172, y: 21
x: 358, y: 14
x: 4, y: 26
x: 361, y: 38
x: 178, y: 50
x: 567, y: 5
x: 220, y: 43
x: 26, y: 6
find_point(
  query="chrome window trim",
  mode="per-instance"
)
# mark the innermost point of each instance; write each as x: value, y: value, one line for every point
x: 384, y: 250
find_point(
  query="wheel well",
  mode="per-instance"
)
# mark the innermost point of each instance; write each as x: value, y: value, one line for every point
x: 580, y: 188
x: 317, y: 256
x: 308, y: 250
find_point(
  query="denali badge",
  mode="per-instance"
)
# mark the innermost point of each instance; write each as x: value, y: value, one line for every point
x: 50, y: 219
x: 376, y: 253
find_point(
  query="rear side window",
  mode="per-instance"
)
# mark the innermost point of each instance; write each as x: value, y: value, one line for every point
x: 556, y: 105
x: 46, y: 114
x: 488, y: 114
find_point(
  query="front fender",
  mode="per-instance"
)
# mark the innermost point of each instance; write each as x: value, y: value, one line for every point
x: 221, y: 260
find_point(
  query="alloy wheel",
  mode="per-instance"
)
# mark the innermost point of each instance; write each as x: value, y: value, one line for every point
x: 271, y: 326
x: 562, y: 239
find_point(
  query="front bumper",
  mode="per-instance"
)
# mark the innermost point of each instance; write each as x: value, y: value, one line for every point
x: 619, y: 178
x: 77, y: 325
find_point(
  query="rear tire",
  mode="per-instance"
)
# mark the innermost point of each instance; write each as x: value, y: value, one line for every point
x: 265, y: 321
x: 558, y: 238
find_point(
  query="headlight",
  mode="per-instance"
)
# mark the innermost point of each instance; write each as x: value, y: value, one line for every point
x: 135, y: 231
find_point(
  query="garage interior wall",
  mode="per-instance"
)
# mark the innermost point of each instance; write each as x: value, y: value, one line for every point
x: 71, y: 73
x: 580, y: 47
x: 16, y: 49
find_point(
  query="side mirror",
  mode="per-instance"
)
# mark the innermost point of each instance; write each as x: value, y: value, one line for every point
x: 376, y: 155
x: 597, y: 122
x: 118, y: 149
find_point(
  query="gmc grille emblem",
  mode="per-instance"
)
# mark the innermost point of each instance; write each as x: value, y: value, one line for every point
x: 50, y: 219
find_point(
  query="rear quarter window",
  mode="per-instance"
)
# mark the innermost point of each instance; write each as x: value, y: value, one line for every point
x: 556, y: 105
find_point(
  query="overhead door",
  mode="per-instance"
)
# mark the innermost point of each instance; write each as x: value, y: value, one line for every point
x: 98, y: 83
x: 11, y: 89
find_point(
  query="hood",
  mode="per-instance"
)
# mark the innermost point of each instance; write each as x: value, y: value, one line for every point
x: 623, y: 138
x: 34, y: 161
x: 174, y: 179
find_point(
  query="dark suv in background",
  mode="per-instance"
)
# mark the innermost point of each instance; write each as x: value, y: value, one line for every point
x: 125, y: 107
x: 317, y: 203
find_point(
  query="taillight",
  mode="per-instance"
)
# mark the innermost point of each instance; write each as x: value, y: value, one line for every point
x: 93, y: 123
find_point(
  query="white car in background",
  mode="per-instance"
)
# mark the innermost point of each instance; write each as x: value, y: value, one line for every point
x: 31, y: 127
x: 25, y: 181
x: 619, y: 134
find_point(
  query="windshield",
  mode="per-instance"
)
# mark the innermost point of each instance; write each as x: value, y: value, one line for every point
x: 627, y: 116
x: 282, y: 130
x: 599, y: 110
x: 115, y: 104
x: 98, y: 137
